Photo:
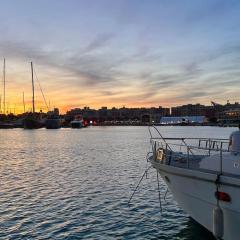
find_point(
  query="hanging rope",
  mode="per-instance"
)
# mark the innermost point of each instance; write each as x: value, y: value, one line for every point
x: 41, y: 91
x: 165, y: 195
x: 159, y: 194
x: 136, y: 188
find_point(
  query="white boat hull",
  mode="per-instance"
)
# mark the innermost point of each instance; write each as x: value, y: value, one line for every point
x: 195, y: 193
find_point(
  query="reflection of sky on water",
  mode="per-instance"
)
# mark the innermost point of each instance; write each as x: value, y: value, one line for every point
x: 76, y: 183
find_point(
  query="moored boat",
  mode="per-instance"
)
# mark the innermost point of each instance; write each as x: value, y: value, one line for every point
x: 52, y: 123
x: 32, y: 120
x: 53, y: 120
x: 204, y: 177
x: 6, y: 125
x: 77, y: 122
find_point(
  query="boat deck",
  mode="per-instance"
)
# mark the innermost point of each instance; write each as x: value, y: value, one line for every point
x: 194, y: 164
x: 209, y: 155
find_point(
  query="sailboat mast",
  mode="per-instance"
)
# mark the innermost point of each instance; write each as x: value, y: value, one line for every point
x: 33, y: 96
x: 4, y: 86
x: 23, y: 103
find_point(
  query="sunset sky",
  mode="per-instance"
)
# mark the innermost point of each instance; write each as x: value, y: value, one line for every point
x: 121, y: 52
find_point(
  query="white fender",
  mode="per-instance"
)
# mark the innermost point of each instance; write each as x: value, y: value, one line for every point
x: 218, y: 222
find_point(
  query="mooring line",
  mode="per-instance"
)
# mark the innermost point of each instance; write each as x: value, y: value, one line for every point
x: 145, y: 172
x: 159, y: 194
x: 165, y: 195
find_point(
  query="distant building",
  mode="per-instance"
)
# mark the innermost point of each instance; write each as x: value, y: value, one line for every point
x: 145, y: 115
x: 183, y: 119
x: 86, y: 113
x: 189, y: 110
x: 56, y: 111
x: 231, y: 116
x: 103, y: 114
x: 211, y: 112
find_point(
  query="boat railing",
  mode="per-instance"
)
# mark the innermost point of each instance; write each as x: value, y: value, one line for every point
x: 218, y: 144
x: 183, y: 155
x: 195, y: 143
x: 187, y: 151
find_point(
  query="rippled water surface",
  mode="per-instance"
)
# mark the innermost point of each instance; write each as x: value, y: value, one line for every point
x: 75, y: 184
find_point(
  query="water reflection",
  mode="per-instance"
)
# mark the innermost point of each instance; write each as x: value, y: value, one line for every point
x: 68, y: 184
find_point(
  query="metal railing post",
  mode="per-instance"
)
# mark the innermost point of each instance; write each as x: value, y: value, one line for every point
x: 221, y: 162
x: 209, y: 148
x: 155, y: 151
x: 187, y: 157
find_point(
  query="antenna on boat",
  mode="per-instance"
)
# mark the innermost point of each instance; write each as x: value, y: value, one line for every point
x: 33, y: 96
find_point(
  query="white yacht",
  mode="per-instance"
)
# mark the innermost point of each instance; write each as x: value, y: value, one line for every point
x: 77, y: 122
x: 204, y: 177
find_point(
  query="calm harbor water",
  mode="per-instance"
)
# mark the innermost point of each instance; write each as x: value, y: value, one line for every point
x: 75, y: 184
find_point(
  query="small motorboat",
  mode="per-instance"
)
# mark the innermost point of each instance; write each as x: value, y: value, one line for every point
x: 77, y: 122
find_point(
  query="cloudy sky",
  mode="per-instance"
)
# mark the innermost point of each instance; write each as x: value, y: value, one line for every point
x: 123, y: 52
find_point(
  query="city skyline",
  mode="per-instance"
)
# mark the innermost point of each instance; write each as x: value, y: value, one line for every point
x: 115, y: 53
x: 211, y: 105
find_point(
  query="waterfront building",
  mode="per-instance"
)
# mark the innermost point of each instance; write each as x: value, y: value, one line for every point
x: 214, y: 113
x: 145, y: 115
x: 231, y: 116
x: 189, y: 110
x: 183, y: 120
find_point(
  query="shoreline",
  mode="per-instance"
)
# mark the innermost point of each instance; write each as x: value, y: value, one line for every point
x: 136, y: 125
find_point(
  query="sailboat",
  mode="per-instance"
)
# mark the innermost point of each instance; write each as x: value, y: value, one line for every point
x: 32, y: 120
x: 4, y: 124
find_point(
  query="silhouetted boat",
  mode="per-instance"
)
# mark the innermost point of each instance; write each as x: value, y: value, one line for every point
x: 6, y: 125
x: 53, y: 120
x: 77, y: 122
x: 53, y: 123
x: 32, y: 120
